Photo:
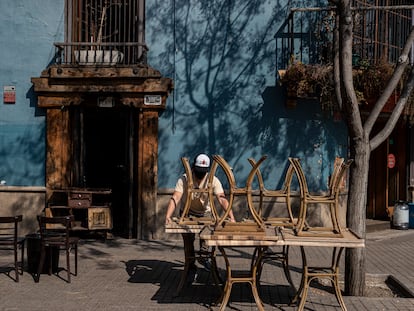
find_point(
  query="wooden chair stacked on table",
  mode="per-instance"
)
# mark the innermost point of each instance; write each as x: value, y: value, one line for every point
x: 243, y: 230
x: 284, y: 192
x: 10, y: 241
x: 197, y: 223
x: 55, y: 233
x: 331, y: 199
x: 186, y: 218
x: 303, y: 229
x: 280, y: 221
x: 234, y: 190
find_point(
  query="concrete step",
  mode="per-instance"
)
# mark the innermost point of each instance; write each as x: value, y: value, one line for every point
x: 373, y: 225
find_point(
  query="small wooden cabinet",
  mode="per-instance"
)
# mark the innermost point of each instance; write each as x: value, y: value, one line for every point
x: 90, y: 207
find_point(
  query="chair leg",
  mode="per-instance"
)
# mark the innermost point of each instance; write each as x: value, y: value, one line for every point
x: 40, y: 265
x: 50, y: 253
x: 76, y: 259
x: 16, y: 263
x: 22, y: 258
x: 68, y: 263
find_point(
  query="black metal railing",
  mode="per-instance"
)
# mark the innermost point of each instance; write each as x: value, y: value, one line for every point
x: 379, y: 34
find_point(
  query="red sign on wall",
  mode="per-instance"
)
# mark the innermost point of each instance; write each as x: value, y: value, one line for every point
x: 9, y: 94
x: 391, y: 161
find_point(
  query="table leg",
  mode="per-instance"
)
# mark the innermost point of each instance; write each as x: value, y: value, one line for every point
x: 248, y: 277
x: 280, y: 256
x: 310, y: 273
x: 214, y: 270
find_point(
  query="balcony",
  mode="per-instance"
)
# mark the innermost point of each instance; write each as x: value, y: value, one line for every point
x: 380, y: 32
x: 100, y: 54
x: 304, y: 49
x: 103, y: 33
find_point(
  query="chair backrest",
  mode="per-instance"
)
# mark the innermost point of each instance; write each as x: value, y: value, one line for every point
x: 283, y: 192
x: 336, y: 187
x: 9, y: 229
x: 286, y: 183
x: 191, y: 189
x: 234, y: 190
x: 51, y: 228
x: 303, y: 186
x: 336, y: 170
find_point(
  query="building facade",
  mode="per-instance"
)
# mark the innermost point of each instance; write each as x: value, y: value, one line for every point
x: 111, y: 94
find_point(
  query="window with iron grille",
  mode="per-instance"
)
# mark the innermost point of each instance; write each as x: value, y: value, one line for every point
x: 105, y: 32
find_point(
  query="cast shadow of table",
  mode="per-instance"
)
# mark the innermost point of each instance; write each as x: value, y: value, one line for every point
x: 167, y: 276
x: 203, y: 291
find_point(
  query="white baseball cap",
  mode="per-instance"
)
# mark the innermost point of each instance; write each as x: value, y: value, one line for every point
x: 202, y: 162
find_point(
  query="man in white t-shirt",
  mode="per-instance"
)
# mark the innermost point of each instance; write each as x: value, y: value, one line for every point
x: 200, y: 205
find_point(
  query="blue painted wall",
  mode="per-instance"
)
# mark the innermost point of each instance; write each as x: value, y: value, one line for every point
x: 221, y: 55
x: 27, y: 32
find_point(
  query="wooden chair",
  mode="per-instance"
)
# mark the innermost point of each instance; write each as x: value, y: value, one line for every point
x: 55, y: 233
x: 185, y: 218
x: 331, y: 199
x: 284, y: 192
x: 234, y: 190
x: 281, y: 256
x: 10, y: 240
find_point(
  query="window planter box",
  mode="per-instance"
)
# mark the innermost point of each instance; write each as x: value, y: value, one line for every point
x: 93, y: 57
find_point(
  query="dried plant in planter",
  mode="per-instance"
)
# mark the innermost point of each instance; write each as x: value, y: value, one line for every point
x: 310, y: 81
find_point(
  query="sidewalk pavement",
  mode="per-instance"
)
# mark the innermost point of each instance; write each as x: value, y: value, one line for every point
x: 123, y: 274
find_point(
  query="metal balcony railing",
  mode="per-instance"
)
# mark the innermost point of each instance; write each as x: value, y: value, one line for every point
x: 101, y: 54
x: 380, y: 31
x: 103, y: 32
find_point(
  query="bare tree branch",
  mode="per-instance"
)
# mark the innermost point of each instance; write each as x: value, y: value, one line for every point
x: 348, y: 95
x: 396, y: 113
x: 336, y: 67
x: 403, y: 61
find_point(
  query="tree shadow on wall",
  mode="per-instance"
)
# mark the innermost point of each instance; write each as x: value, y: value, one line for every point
x: 220, y: 54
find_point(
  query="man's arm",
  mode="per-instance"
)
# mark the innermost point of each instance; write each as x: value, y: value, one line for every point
x: 174, y: 200
x: 225, y: 204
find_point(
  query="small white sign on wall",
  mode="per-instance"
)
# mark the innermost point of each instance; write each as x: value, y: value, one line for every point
x: 152, y: 100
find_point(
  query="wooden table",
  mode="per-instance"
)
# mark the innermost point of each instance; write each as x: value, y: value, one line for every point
x: 272, y: 236
x: 338, y: 244
x: 241, y: 235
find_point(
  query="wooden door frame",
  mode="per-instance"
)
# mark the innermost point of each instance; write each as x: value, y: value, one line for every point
x: 60, y: 87
x: 378, y: 187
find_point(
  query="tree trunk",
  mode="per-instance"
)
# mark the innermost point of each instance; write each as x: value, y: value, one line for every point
x: 356, y: 215
x: 360, y: 152
x: 359, y: 136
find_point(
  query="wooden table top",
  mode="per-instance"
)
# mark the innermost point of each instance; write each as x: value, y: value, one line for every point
x: 267, y: 237
x: 190, y: 227
x: 349, y: 239
x: 272, y: 236
x: 249, y: 234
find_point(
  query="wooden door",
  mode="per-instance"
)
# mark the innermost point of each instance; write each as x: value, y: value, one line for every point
x: 107, y: 159
x: 387, y: 174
